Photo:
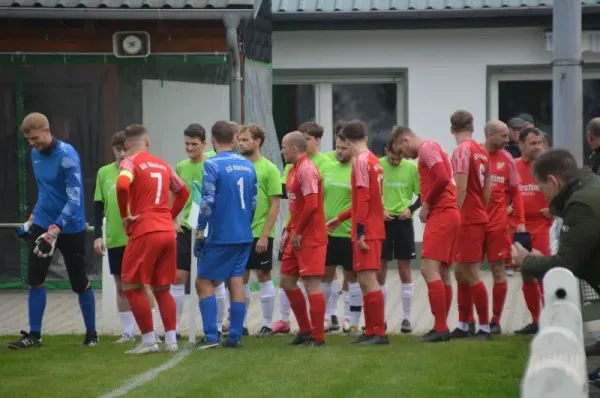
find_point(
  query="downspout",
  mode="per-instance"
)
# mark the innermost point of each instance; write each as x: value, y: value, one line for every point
x: 231, y: 22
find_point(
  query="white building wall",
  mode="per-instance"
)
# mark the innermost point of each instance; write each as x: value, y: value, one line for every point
x: 447, y: 69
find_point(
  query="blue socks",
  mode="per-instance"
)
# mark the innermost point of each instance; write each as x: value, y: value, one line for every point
x: 208, y: 311
x: 87, y: 303
x: 236, y: 327
x: 37, y: 305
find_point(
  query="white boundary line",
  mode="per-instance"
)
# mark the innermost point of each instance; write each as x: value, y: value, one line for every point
x: 150, y: 375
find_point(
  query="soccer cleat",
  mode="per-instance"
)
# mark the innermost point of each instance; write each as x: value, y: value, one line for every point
x: 376, y: 340
x: 472, y: 328
x: 232, y: 344
x: 433, y: 336
x: 458, y: 333
x: 171, y: 347
x: 310, y: 342
x: 281, y: 327
x: 361, y: 339
x: 346, y: 325
x: 25, y: 341
x: 91, y: 339
x: 144, y: 348
x: 245, y: 332
x: 300, y: 338
x: 593, y: 350
x: 265, y: 331
x: 530, y: 329
x: 406, y: 326
x: 495, y: 328
x: 482, y: 335
x: 334, y: 324
x: 205, y: 344
x: 126, y: 338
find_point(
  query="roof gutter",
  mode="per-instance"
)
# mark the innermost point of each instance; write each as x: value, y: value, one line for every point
x: 123, y: 13
x: 281, y: 15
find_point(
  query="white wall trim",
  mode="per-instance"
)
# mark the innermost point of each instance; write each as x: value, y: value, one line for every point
x: 590, y: 41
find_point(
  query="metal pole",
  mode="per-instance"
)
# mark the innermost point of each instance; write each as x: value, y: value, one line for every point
x: 567, y: 84
x: 232, y: 22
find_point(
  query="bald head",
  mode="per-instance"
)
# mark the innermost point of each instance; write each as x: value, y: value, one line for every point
x: 293, y: 146
x: 494, y: 126
x: 496, y: 135
x: 593, y: 133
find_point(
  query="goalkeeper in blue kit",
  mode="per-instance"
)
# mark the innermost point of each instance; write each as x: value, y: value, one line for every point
x: 229, y: 195
x: 57, y: 222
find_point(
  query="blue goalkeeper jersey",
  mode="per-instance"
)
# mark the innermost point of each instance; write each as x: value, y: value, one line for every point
x: 57, y: 172
x: 228, y: 199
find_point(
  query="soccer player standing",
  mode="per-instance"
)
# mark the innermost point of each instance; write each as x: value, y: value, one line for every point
x: 229, y: 195
x: 250, y: 139
x: 505, y: 190
x: 400, y: 185
x: 337, y: 197
x: 537, y: 219
x: 304, y: 242
x: 150, y: 258
x: 368, y: 229
x: 473, y: 186
x: 58, y: 221
x: 441, y: 216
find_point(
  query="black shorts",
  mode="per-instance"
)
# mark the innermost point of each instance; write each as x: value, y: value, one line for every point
x: 339, y: 252
x: 115, y: 259
x: 399, y: 243
x: 184, y: 250
x: 261, y: 261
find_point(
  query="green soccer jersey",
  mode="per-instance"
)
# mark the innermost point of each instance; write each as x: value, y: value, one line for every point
x: 106, y: 192
x: 337, y: 195
x: 400, y: 183
x: 269, y: 184
x: 190, y: 172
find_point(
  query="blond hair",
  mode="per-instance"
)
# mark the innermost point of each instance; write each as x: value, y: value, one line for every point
x: 34, y: 121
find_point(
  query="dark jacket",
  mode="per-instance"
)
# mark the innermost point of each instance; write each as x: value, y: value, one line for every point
x: 578, y: 204
x: 595, y: 160
x: 513, y: 148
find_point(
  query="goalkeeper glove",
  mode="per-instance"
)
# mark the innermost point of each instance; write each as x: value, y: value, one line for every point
x: 46, y: 242
x: 23, y: 231
x: 199, y: 244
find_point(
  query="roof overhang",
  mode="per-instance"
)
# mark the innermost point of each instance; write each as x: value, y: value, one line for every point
x: 184, y: 14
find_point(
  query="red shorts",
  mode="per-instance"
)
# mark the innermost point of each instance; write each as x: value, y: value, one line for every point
x: 367, y: 260
x: 151, y: 259
x: 541, y: 242
x: 440, y: 236
x: 306, y: 261
x: 497, y: 245
x: 469, y: 249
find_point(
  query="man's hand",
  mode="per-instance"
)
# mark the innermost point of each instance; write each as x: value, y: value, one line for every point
x: 99, y: 246
x: 387, y: 216
x: 521, y: 228
x: 127, y: 221
x: 296, y: 240
x: 546, y: 213
x: 46, y: 242
x: 333, y: 224
x: 509, y: 209
x: 199, y: 243
x: 424, y: 213
x: 405, y: 215
x: 283, y: 242
x: 178, y: 228
x: 362, y: 244
x: 261, y: 244
x: 23, y: 231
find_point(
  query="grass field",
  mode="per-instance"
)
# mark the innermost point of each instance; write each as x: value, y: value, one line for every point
x: 270, y: 367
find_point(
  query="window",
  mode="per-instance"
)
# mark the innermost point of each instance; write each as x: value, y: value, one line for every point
x: 293, y: 104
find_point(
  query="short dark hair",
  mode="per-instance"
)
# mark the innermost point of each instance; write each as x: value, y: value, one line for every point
x: 354, y: 130
x: 593, y: 127
x: 118, y: 139
x: 224, y: 131
x: 523, y: 134
x: 256, y: 131
x: 397, y: 133
x: 312, y: 129
x: 195, y: 130
x: 339, y: 125
x: 557, y: 162
x: 135, y: 130
x: 461, y: 120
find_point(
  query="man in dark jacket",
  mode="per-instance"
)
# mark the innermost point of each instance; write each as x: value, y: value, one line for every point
x: 593, y: 139
x: 515, y: 125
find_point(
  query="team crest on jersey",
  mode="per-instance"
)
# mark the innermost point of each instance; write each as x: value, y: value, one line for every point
x: 500, y: 165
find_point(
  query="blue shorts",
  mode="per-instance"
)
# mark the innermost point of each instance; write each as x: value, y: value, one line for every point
x: 222, y: 262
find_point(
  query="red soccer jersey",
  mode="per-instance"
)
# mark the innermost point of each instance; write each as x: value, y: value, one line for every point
x: 504, y: 179
x: 431, y: 153
x: 533, y: 199
x: 471, y: 158
x: 151, y: 180
x: 304, y: 180
x: 368, y: 173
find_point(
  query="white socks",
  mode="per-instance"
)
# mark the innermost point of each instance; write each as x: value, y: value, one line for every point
x: 284, y: 306
x: 355, y: 302
x: 334, y: 300
x: 178, y: 293
x: 221, y: 296
x: 247, y: 296
x: 406, y: 293
x: 267, y: 302
x: 128, y: 322
x: 346, y: 305
x: 156, y: 318
x: 326, y: 288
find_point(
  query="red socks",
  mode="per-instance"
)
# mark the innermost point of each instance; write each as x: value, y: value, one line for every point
x: 298, y: 304
x: 465, y: 302
x: 498, y: 298
x: 448, y: 298
x: 480, y: 298
x: 374, y: 305
x: 167, y: 308
x: 141, y: 309
x: 437, y: 302
x: 317, y: 315
x: 531, y: 292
